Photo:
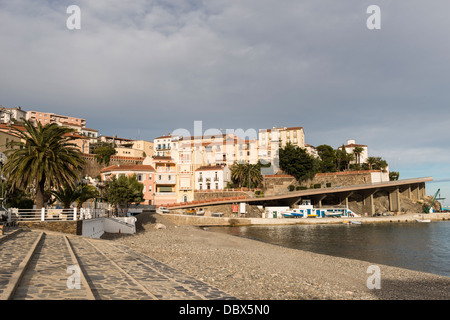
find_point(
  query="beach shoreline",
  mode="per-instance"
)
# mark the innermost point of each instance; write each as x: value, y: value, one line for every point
x: 253, y: 270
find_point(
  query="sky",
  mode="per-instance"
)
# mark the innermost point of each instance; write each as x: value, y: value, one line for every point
x: 141, y: 69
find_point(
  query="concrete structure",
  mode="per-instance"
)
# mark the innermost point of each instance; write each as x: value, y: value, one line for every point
x: 362, y: 194
x: 212, y: 177
x: 145, y: 174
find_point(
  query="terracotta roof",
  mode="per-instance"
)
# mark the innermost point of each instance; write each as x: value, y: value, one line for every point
x: 129, y: 167
x: 281, y: 128
x: 353, y: 145
x: 211, y: 168
x: 163, y: 137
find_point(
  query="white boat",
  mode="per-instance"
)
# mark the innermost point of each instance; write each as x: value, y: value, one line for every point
x: 423, y: 220
x: 352, y: 222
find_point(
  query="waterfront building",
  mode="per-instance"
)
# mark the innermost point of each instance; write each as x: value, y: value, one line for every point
x: 214, y: 177
x: 145, y: 174
x: 165, y: 182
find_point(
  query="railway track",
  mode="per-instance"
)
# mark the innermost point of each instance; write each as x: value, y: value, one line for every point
x: 37, y: 265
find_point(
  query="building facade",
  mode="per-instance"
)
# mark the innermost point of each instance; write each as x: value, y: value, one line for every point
x: 145, y: 174
x: 47, y: 117
x: 212, y: 177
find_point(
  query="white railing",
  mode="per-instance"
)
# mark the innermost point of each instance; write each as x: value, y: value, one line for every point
x: 48, y: 214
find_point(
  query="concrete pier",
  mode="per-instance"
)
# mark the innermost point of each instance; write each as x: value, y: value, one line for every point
x: 180, y: 219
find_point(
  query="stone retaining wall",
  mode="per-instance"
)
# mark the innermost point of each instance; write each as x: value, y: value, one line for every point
x: 206, y: 221
x: 69, y: 227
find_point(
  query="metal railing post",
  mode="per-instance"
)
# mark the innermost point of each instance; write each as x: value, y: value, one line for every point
x: 74, y: 214
x: 42, y: 214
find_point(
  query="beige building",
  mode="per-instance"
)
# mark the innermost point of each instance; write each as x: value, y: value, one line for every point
x: 5, y: 137
x: 145, y: 146
x: 271, y: 140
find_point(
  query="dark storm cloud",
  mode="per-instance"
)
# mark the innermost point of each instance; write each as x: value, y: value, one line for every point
x: 145, y: 68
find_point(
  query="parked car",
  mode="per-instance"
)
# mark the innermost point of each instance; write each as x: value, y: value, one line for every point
x: 163, y: 210
x: 190, y: 211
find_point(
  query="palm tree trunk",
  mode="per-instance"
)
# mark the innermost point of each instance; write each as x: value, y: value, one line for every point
x: 40, y: 190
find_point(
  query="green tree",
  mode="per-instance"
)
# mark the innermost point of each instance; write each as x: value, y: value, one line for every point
x: 103, y: 152
x: 341, y: 156
x: 327, y: 156
x: 123, y: 191
x: 394, y: 175
x: 297, y: 162
x: 45, y: 158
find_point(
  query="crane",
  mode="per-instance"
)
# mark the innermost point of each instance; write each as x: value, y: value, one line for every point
x: 434, y: 199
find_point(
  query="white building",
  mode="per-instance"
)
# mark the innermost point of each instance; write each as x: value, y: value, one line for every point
x: 212, y: 177
x: 9, y: 114
x: 350, y: 147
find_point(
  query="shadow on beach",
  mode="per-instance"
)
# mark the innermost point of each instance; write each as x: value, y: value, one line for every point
x: 426, y: 289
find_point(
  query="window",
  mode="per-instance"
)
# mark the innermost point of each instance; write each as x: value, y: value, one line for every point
x: 140, y: 177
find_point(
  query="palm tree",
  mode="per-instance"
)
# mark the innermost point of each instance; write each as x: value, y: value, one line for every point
x: 254, y: 176
x: 371, y: 161
x: 45, y: 159
x: 357, y: 151
x: 66, y: 195
x: 238, y: 172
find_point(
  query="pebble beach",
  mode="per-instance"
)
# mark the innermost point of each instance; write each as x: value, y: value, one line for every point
x: 252, y: 270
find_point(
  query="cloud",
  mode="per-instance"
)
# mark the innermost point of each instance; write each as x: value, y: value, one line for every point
x: 149, y: 67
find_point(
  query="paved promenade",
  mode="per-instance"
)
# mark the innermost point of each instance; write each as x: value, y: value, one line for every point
x: 37, y: 265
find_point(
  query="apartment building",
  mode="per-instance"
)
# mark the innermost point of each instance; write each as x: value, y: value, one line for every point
x: 162, y: 146
x: 271, y: 140
x: 46, y: 117
x: 165, y: 182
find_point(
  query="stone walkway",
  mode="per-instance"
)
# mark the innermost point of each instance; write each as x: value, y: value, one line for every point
x: 38, y: 265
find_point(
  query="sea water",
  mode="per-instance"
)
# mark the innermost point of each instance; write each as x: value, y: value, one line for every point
x: 416, y: 246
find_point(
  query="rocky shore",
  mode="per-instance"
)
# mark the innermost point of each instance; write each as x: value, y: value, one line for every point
x: 253, y: 270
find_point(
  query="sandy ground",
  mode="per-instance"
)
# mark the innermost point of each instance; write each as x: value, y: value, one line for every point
x: 253, y: 270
